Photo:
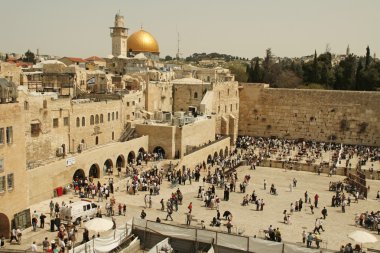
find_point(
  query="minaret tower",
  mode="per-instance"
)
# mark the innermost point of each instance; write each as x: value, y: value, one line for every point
x: 119, y: 35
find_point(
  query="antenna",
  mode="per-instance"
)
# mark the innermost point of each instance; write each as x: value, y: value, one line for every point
x: 178, y: 53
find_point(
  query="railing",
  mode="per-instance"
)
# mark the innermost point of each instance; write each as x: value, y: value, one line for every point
x: 206, y: 145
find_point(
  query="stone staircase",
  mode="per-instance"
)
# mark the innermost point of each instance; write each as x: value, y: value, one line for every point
x: 128, y: 133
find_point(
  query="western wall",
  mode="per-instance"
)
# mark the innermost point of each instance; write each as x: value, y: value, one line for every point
x: 347, y: 117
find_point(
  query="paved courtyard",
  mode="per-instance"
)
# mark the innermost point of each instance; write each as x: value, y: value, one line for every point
x: 337, y: 225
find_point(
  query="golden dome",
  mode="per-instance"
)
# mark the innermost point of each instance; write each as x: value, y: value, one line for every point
x: 142, y: 41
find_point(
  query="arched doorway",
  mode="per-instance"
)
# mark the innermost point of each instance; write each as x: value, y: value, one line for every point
x: 131, y: 157
x: 215, y: 156
x: 78, y: 175
x: 226, y: 152
x: 160, y: 151
x: 4, y: 226
x: 120, y: 161
x: 94, y: 171
x: 209, y: 159
x: 140, y: 155
x: 221, y: 153
x: 108, y: 166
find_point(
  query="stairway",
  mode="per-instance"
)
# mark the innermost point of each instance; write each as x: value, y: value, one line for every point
x: 127, y: 133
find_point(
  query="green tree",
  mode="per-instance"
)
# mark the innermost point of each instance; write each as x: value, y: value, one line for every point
x: 168, y: 58
x: 345, y: 74
x: 256, y: 76
x: 29, y: 57
x: 367, y: 57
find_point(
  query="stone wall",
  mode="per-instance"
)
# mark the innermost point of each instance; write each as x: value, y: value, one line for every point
x: 341, y: 116
x: 196, y: 134
x: 174, y: 140
x: 60, y: 173
x: 200, y: 156
x: 159, y: 136
x: 12, y: 157
x: 159, y: 96
x: 79, y: 121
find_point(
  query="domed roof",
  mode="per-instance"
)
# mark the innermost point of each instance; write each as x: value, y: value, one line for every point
x: 142, y: 41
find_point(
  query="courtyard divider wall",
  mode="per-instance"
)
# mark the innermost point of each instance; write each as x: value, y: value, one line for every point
x: 151, y: 233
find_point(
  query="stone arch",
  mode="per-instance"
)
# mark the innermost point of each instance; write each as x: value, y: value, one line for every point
x: 94, y: 171
x: 4, y: 225
x: 108, y: 166
x: 131, y: 157
x: 96, y: 119
x: 83, y: 121
x: 215, y: 155
x: 79, y: 174
x: 78, y: 122
x: 221, y: 153
x: 140, y: 154
x: 209, y: 159
x: 226, y: 152
x: 101, y: 118
x: 120, y: 161
x: 92, y: 119
x: 160, y: 151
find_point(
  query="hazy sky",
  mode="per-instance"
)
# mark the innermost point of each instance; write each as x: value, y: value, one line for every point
x: 238, y: 27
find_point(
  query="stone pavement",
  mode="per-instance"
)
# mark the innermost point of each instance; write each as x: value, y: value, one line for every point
x: 337, y: 224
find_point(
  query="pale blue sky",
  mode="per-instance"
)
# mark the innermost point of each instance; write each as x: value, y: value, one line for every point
x: 239, y: 27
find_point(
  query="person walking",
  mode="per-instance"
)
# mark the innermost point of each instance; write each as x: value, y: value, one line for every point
x: 324, y: 213
x: 33, y: 247
x: 42, y: 220
x: 13, y: 235
x: 169, y: 213
x: 265, y: 184
x: 190, y: 207
x: 316, y: 199
x: 309, y: 240
x: 188, y: 218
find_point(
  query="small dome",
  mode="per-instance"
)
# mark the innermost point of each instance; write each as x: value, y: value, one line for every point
x: 142, y: 42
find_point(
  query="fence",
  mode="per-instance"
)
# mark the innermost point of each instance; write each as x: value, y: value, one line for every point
x: 189, y: 240
x: 105, y: 244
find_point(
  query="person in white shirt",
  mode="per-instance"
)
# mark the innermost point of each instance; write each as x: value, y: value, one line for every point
x: 34, y: 247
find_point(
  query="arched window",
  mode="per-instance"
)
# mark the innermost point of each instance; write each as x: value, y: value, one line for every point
x: 83, y: 121
x: 78, y: 122
x: 117, y: 115
x: 92, y: 120
x: 195, y: 94
x: 101, y: 118
x: 113, y: 116
x: 96, y: 119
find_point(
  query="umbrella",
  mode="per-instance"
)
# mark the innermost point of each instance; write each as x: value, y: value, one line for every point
x: 362, y: 237
x: 98, y: 225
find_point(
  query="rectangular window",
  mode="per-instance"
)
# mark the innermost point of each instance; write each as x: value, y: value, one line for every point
x: 231, y: 108
x: 55, y: 122
x: 10, y: 181
x: 1, y: 165
x: 2, y: 135
x: 66, y: 121
x: 127, y: 103
x: 133, y: 102
x: 9, y: 133
x: 35, y: 129
x: 2, y: 184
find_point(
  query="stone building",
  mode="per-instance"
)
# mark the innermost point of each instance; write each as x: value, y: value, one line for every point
x: 214, y: 93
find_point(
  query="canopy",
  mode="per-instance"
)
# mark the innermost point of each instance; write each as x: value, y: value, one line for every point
x: 98, y: 225
x: 362, y: 237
